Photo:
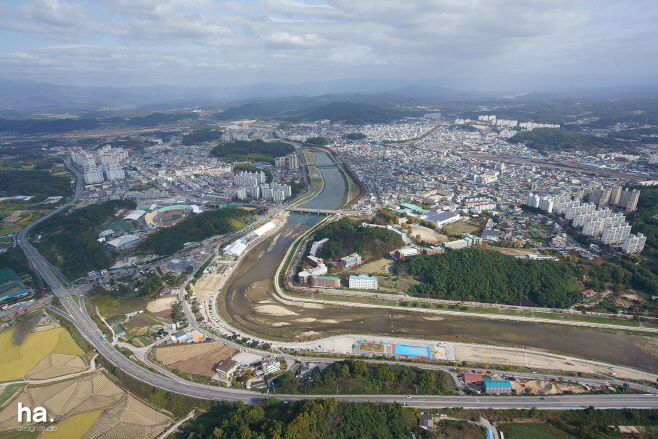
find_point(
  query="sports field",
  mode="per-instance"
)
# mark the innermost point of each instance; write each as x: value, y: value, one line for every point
x: 119, y: 226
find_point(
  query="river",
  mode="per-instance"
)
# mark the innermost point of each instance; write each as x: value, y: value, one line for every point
x: 251, y: 302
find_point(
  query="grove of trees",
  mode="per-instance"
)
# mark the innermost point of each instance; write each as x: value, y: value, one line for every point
x: 490, y: 276
x: 254, y: 150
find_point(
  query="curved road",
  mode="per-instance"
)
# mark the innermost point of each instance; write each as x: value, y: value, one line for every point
x: 89, y: 330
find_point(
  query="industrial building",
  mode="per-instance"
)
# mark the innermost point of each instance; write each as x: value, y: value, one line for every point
x: 122, y: 243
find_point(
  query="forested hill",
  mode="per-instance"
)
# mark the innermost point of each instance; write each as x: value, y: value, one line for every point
x: 555, y: 140
x: 197, y: 228
x: 349, y: 112
x: 489, y: 276
x: 347, y: 237
x: 40, y: 184
x: 255, y: 150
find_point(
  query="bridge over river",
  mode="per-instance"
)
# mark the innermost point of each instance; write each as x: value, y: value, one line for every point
x: 323, y: 211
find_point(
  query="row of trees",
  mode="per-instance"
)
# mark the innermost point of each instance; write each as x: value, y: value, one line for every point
x: 169, y: 240
x: 347, y: 237
x: 489, y: 276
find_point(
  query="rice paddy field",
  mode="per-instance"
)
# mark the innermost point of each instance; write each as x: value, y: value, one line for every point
x: 17, y: 361
x: 74, y: 427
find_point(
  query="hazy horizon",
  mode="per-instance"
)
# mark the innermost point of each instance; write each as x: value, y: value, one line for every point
x: 538, y: 45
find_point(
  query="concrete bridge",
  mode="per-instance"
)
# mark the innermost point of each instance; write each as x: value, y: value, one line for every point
x: 323, y: 211
x: 326, y: 165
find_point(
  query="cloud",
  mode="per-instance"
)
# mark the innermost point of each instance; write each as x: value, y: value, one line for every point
x: 385, y: 38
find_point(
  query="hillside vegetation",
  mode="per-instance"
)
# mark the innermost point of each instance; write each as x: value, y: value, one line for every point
x: 489, y: 276
x: 39, y: 184
x: 549, y: 140
x: 348, y: 112
x: 69, y: 238
x: 169, y: 240
x: 347, y: 237
x: 251, y: 151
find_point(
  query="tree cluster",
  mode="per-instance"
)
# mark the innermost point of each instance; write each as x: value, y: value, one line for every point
x: 167, y: 241
x: 201, y: 136
x: 550, y: 139
x: 489, y: 276
x: 355, y: 136
x: 311, y: 419
x: 73, y: 236
x: 254, y: 150
x: 347, y: 237
x: 356, y: 377
x: 39, y: 184
x: 350, y: 113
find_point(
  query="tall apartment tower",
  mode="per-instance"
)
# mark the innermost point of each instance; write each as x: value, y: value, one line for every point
x: 600, y: 197
x: 628, y: 199
x: 634, y: 244
x: 293, y: 162
x: 615, y: 194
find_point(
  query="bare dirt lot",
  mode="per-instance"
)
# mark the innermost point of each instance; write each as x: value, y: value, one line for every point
x: 195, y: 358
x: 428, y: 235
x: 162, y: 304
x: 513, y: 251
x: 491, y: 356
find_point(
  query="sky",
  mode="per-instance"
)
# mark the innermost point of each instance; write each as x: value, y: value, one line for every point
x: 235, y: 43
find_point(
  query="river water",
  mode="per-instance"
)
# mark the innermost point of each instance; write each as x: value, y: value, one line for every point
x: 252, y: 304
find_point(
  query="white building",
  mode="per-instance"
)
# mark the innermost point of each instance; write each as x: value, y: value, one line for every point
x: 634, y: 243
x: 363, y: 282
x: 616, y: 234
x: 270, y: 366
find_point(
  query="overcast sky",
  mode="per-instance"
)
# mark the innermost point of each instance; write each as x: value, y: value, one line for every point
x: 207, y: 42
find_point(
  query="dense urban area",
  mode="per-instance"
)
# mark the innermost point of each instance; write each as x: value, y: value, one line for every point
x: 415, y: 268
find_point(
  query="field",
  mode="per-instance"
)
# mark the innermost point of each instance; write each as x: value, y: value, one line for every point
x: 310, y: 157
x: 118, y: 227
x: 196, y: 358
x: 105, y: 305
x: 162, y: 304
x: 534, y: 431
x: 316, y: 178
x: 132, y: 304
x: 365, y: 346
x: 17, y: 361
x: 379, y: 266
x: 74, y: 427
x: 460, y: 227
x: 90, y: 406
x: 428, y: 235
x: 513, y: 251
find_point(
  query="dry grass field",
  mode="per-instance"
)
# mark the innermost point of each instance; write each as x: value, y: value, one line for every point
x: 428, y: 235
x: 195, y: 358
x: 513, y: 251
x: 18, y: 361
x: 371, y: 347
x: 163, y: 304
x: 55, y: 365
x: 74, y: 427
x: 460, y: 227
x: 379, y: 266
x: 91, y: 407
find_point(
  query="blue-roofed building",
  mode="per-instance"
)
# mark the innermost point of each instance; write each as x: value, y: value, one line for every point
x: 363, y: 282
x: 411, y: 207
x: 492, y: 386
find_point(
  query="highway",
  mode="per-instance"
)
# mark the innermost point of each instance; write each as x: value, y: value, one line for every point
x: 89, y: 330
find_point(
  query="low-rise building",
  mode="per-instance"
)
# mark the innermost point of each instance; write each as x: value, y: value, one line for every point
x: 492, y: 386
x: 270, y: 366
x: 325, y: 281
x: 351, y: 260
x: 226, y: 369
x: 313, y: 260
x: 363, y: 282
x: 401, y: 254
x: 124, y: 242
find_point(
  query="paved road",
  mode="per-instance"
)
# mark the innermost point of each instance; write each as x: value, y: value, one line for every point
x: 89, y: 330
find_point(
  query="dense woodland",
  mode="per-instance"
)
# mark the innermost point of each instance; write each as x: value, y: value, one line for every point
x: 40, y: 184
x: 350, y: 113
x: 347, y: 237
x: 167, y: 241
x: 645, y: 219
x: 555, y: 140
x: 200, y: 136
x: 254, y: 150
x: 357, y: 377
x: 489, y: 276
x: 69, y: 239
x: 355, y: 136
x: 303, y: 420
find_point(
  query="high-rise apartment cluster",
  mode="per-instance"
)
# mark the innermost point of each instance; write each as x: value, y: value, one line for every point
x: 615, y: 196
x: 634, y: 243
x: 291, y: 161
x: 253, y: 185
x: 100, y: 165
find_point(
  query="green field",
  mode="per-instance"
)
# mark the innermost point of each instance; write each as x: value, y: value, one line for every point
x: 132, y: 304
x: 105, y: 305
x: 534, y: 431
x: 119, y: 226
x: 460, y: 227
